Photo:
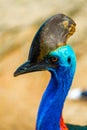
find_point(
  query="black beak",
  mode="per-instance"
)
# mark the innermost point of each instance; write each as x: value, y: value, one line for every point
x: 28, y: 67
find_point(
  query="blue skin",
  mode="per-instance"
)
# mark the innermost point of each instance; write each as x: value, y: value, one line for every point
x: 52, y: 102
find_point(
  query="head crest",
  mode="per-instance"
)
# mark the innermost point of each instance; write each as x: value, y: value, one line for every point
x: 52, y: 34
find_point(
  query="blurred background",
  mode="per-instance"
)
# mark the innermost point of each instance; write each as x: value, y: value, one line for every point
x: 20, y: 96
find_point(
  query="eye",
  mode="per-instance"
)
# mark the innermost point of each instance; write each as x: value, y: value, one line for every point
x: 53, y: 59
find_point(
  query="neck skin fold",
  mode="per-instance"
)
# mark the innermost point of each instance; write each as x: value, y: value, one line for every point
x: 52, y: 102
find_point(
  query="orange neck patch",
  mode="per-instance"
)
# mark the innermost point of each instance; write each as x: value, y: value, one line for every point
x: 63, y: 125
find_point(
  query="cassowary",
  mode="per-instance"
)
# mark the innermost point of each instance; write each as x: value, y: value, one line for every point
x: 49, y: 51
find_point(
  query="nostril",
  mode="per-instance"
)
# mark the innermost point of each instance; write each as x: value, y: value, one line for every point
x: 69, y: 60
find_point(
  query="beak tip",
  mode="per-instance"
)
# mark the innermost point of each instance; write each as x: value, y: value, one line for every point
x: 15, y: 73
x: 21, y: 69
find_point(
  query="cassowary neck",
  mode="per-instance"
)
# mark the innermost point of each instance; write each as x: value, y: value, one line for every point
x: 52, y: 102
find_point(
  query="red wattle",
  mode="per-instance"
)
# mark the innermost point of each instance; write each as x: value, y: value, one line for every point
x: 63, y: 125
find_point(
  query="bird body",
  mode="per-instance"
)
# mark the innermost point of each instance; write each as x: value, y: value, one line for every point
x: 76, y: 127
x: 50, y: 52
